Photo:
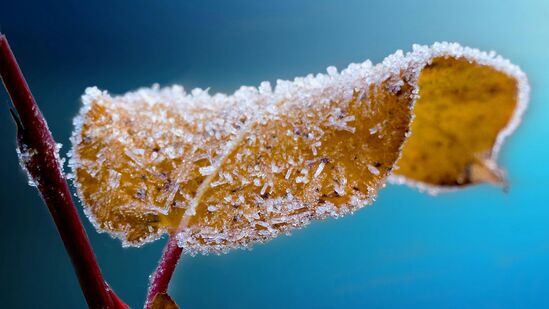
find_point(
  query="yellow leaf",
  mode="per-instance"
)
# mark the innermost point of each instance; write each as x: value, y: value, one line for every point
x: 467, y: 105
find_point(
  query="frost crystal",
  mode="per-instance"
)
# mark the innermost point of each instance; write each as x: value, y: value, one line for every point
x: 319, y: 169
x: 373, y: 169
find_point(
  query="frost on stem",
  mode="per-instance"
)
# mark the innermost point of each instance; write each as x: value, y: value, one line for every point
x: 226, y: 171
x: 25, y: 154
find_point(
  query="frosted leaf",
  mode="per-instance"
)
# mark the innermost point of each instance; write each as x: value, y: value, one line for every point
x: 236, y: 169
x: 247, y: 167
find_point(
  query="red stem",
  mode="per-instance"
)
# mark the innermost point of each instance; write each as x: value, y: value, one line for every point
x: 161, y: 277
x: 43, y: 166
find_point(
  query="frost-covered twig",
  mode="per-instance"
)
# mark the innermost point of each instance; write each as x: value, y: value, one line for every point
x: 161, y: 277
x: 39, y: 157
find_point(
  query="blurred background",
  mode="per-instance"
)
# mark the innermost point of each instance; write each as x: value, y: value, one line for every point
x: 479, y: 247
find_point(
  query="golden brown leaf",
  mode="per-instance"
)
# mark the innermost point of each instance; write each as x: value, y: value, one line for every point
x: 163, y: 301
x: 227, y: 171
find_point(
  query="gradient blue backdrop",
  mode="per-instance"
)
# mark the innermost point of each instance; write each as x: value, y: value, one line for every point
x: 476, y: 248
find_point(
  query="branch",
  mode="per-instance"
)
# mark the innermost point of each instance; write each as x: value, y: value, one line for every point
x: 39, y: 157
x: 161, y: 277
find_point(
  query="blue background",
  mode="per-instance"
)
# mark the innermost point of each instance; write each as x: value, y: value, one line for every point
x: 476, y: 248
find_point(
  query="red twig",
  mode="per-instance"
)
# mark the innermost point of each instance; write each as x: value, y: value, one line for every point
x: 161, y: 277
x: 40, y: 159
